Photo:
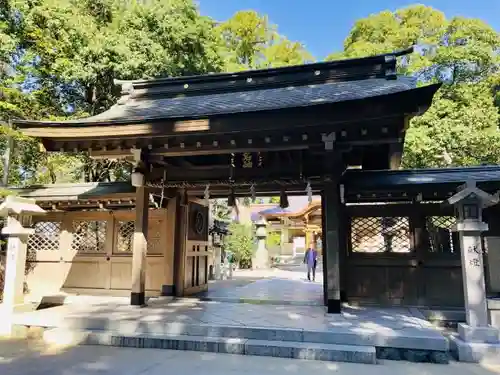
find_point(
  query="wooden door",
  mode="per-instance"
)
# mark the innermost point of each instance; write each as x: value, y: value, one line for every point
x: 88, y: 250
x: 440, y: 271
x: 403, y: 255
x: 44, y: 266
x: 121, y: 255
x: 197, y: 254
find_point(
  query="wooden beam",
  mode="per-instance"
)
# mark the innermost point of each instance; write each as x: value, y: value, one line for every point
x: 210, y: 150
x: 240, y: 174
x: 111, y: 154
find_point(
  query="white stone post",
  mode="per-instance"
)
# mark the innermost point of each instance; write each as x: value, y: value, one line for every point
x: 261, y: 257
x: 473, y: 272
x: 18, y: 212
x: 476, y: 339
x: 217, y: 256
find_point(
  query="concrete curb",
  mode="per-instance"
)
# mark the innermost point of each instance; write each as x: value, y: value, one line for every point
x: 296, y: 350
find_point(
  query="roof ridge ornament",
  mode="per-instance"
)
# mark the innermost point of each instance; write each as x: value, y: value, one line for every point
x: 329, y: 140
x: 126, y: 92
x: 470, y: 188
x: 390, y: 67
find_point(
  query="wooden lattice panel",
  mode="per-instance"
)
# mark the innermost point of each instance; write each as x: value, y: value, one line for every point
x: 124, y: 237
x: 46, y: 236
x: 89, y: 237
x: 439, y: 229
x: 380, y: 234
x: 155, y: 235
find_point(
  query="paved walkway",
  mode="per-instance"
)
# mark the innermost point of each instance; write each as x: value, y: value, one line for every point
x: 33, y: 358
x: 191, y: 311
x: 108, y: 313
x: 285, y: 285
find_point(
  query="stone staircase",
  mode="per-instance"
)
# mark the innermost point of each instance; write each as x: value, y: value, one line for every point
x: 218, y: 344
x: 340, y: 345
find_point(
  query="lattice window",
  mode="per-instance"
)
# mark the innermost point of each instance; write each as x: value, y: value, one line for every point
x: 441, y: 237
x: 124, y: 237
x: 380, y: 234
x: 154, y: 236
x: 45, y: 237
x: 89, y: 237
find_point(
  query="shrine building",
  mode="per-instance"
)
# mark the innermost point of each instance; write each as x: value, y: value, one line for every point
x: 386, y: 238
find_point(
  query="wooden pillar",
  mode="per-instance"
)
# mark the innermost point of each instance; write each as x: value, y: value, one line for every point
x: 167, y: 288
x: 180, y: 249
x: 140, y: 247
x: 332, y: 235
x: 344, y: 233
x: 492, y: 257
x: 420, y: 244
x: 324, y: 251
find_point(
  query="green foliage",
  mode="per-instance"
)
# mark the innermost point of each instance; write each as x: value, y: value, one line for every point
x: 59, y: 58
x: 274, y: 200
x: 220, y: 210
x: 240, y: 242
x: 250, y: 41
x: 273, y: 239
x: 67, y: 53
x: 461, y: 127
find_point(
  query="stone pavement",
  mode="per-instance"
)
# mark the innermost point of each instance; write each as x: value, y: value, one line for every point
x: 33, y: 358
x: 287, y: 285
x: 192, y: 311
x: 289, y: 328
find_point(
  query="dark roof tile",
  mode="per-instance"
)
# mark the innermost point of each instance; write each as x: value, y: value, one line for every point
x: 248, y: 101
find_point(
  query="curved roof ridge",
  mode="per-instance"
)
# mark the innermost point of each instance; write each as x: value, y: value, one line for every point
x: 381, y: 58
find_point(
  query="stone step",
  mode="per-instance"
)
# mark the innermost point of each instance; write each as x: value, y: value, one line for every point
x: 418, y: 340
x: 260, y: 301
x: 269, y: 348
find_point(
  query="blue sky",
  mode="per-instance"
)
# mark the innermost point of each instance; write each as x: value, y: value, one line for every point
x: 322, y: 25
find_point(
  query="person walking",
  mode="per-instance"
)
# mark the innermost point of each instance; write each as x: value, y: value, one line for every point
x: 310, y: 259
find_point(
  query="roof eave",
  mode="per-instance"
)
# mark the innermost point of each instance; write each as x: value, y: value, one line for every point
x: 425, y: 100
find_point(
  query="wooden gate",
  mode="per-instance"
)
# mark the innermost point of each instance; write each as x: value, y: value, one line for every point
x: 403, y: 254
x: 196, y: 252
x: 91, y: 252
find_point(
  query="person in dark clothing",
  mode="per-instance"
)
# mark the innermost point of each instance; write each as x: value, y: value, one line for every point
x: 311, y: 259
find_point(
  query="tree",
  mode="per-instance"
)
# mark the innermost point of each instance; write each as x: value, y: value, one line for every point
x: 64, y: 55
x: 250, y: 41
x: 240, y: 242
x: 220, y: 210
x: 461, y: 127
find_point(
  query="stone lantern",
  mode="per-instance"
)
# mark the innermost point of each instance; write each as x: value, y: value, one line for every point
x: 19, y: 212
x: 477, y: 340
x: 261, y: 257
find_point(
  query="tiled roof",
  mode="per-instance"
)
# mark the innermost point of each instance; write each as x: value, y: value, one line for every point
x: 375, y: 180
x: 252, y: 90
x: 74, y: 192
x: 193, y: 106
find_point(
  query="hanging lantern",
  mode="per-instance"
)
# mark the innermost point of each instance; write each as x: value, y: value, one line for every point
x: 231, y: 200
x: 309, y: 192
x: 283, y: 199
x: 252, y: 193
x: 206, y: 194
